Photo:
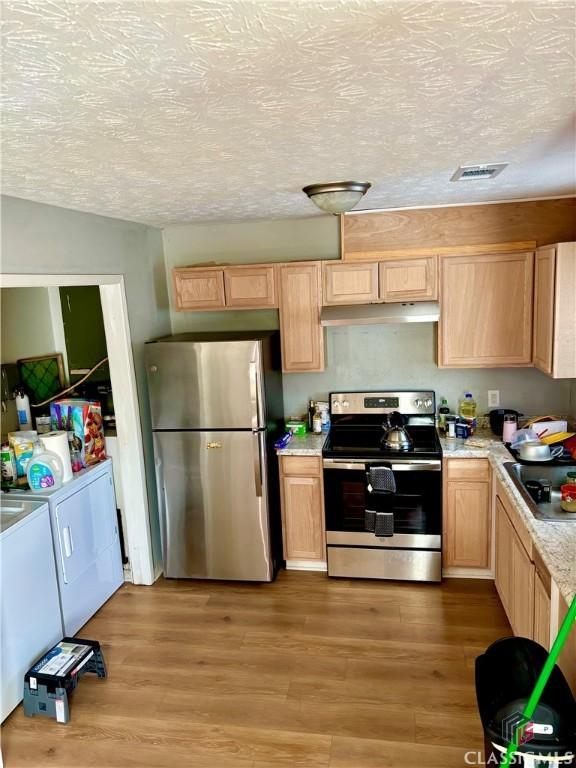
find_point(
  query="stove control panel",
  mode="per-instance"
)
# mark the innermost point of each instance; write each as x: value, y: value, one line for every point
x: 409, y: 403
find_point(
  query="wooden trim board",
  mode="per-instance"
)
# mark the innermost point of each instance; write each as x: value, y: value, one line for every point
x: 428, y: 230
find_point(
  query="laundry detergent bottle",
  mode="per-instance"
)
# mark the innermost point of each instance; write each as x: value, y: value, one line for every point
x: 44, y: 470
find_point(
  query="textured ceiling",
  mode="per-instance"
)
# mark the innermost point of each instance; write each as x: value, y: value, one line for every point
x: 167, y: 112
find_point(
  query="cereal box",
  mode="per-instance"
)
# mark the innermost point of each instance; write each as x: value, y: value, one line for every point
x: 82, y: 418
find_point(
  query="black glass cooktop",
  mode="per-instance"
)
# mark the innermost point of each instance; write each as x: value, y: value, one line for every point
x: 365, y: 441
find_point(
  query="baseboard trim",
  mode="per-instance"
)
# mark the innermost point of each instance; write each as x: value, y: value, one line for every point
x: 306, y: 565
x: 467, y: 573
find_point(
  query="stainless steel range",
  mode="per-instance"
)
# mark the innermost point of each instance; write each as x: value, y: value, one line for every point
x: 382, y: 465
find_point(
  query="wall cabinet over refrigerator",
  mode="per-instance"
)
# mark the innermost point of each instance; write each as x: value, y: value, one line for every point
x: 486, y: 316
x: 555, y: 310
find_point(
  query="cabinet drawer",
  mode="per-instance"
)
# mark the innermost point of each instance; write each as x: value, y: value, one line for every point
x: 309, y: 466
x: 409, y: 279
x: 468, y: 469
x: 250, y: 286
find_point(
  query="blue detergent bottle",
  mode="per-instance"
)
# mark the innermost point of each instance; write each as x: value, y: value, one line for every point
x: 44, y: 470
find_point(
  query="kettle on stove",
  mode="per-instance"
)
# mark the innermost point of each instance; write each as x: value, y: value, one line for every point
x: 396, y: 437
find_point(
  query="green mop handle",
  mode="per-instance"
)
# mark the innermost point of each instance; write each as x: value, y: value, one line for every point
x: 542, y: 680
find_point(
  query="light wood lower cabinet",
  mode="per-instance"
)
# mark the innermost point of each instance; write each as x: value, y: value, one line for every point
x: 542, y: 612
x: 467, y: 514
x: 409, y: 279
x: 567, y: 660
x: 302, y: 500
x: 349, y: 283
x: 486, y: 316
x: 300, y: 305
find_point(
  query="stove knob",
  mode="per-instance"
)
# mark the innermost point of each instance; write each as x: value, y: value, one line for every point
x: 418, y: 403
x: 428, y: 403
x: 345, y: 403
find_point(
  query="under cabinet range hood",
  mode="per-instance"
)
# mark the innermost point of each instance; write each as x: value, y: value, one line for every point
x: 381, y: 314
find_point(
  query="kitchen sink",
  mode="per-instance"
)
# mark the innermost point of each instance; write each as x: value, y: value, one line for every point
x: 555, y: 475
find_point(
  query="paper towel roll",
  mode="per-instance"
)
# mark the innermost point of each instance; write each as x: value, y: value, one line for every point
x: 57, y: 442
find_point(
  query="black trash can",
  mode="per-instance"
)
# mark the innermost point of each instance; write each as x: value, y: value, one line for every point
x: 506, y: 674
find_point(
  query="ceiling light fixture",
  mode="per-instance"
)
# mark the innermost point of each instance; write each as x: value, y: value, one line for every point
x: 337, y: 196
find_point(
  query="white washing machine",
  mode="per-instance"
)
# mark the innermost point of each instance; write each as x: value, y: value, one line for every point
x: 30, y: 617
x: 86, y: 542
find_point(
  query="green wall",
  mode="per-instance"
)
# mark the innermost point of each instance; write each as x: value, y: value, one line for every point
x: 358, y: 357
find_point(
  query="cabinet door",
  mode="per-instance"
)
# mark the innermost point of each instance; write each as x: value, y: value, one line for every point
x: 350, y: 283
x: 250, y: 286
x: 541, y: 613
x: 300, y: 330
x: 409, y: 279
x: 467, y: 525
x: 486, y: 316
x: 503, y: 575
x: 567, y: 660
x: 198, y: 288
x: 303, y: 518
x: 544, y: 268
x: 522, y: 614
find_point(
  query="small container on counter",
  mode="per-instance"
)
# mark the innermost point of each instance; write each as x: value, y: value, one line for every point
x: 451, y: 426
x: 317, y: 423
x: 462, y: 430
x: 568, y: 500
x: 311, y: 412
x: 296, y: 426
x: 509, y: 427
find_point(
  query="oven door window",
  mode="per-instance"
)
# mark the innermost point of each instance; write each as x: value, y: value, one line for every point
x: 416, y: 505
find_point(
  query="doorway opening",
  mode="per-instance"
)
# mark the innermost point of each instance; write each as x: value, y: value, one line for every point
x: 86, y: 315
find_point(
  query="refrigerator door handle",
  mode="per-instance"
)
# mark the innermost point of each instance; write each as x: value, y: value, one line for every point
x: 254, y: 393
x: 256, y: 438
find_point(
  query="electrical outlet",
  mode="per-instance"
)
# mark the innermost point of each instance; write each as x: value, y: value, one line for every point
x: 493, y: 398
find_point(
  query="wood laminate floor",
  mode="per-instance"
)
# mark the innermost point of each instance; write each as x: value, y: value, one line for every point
x: 307, y: 671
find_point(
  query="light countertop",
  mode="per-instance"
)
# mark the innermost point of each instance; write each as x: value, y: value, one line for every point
x: 555, y: 541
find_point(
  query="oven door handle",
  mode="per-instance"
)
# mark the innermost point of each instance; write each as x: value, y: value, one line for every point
x: 426, y: 465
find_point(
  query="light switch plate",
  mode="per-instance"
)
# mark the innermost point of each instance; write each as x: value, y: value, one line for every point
x: 493, y: 398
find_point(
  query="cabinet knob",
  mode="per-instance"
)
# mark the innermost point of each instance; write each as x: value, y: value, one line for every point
x: 153, y: 368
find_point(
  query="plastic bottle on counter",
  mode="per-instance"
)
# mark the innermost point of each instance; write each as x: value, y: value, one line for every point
x: 23, y: 409
x: 9, y: 473
x: 443, y: 411
x: 317, y: 423
x: 44, y: 470
x: 311, y: 412
x: 468, y: 411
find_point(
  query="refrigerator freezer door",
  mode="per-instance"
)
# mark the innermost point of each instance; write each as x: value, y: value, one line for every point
x: 213, y: 521
x: 205, y: 385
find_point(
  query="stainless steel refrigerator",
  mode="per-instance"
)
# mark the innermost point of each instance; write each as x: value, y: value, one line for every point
x: 216, y: 405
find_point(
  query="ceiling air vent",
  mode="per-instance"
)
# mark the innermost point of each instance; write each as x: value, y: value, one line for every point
x: 470, y: 172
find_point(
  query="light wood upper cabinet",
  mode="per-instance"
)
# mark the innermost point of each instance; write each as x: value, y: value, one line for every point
x: 409, y: 279
x: 486, y: 316
x: 555, y: 310
x: 300, y: 305
x: 467, y: 515
x: 250, y: 287
x: 198, y: 288
x: 302, y: 508
x: 349, y: 283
